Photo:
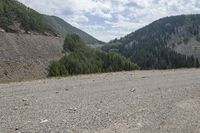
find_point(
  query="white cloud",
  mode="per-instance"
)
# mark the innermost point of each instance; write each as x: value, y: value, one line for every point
x: 120, y: 16
x: 100, y: 13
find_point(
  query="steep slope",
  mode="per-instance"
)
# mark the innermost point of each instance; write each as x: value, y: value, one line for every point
x: 24, y: 56
x: 65, y: 28
x: 28, y: 42
x: 170, y: 42
x: 17, y: 18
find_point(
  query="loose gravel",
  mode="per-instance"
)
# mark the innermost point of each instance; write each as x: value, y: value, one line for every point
x: 166, y: 101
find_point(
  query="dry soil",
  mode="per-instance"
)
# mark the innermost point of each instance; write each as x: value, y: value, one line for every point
x: 125, y: 102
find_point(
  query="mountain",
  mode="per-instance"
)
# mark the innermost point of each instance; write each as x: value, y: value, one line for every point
x: 64, y: 28
x: 170, y: 42
x: 28, y: 42
x: 17, y: 18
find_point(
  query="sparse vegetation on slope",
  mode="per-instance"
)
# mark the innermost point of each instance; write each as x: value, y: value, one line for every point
x: 84, y: 60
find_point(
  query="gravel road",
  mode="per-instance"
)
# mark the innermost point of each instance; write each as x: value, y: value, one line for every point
x: 125, y: 102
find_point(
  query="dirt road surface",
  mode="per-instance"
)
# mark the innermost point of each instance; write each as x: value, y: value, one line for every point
x: 125, y: 102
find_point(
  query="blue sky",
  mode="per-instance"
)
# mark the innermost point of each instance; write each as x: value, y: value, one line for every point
x: 109, y: 19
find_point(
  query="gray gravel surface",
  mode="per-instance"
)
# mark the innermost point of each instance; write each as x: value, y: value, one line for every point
x: 125, y: 102
x: 24, y: 56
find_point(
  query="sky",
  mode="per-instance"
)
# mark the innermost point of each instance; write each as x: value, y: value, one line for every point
x: 110, y: 19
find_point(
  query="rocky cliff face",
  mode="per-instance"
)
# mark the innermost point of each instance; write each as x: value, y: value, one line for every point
x: 24, y: 56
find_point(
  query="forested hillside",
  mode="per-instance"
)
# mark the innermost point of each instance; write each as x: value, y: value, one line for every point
x: 153, y: 47
x: 84, y: 60
x: 17, y: 18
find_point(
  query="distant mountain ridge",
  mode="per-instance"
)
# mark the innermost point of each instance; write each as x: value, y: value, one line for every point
x: 170, y: 42
x: 16, y: 17
x: 64, y: 28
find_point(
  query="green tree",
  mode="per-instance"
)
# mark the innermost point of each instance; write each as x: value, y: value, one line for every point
x: 73, y: 42
x: 84, y: 60
x: 57, y: 69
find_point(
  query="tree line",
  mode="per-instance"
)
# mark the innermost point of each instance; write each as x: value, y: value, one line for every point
x: 84, y: 60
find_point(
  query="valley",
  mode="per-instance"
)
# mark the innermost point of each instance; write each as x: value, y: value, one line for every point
x: 57, y: 78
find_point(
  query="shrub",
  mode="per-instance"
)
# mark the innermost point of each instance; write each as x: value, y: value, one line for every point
x: 84, y: 60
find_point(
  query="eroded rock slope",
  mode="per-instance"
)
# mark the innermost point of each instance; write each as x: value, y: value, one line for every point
x: 24, y: 56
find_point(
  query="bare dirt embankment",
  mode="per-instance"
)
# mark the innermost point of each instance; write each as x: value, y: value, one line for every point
x: 126, y: 102
x: 24, y: 56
